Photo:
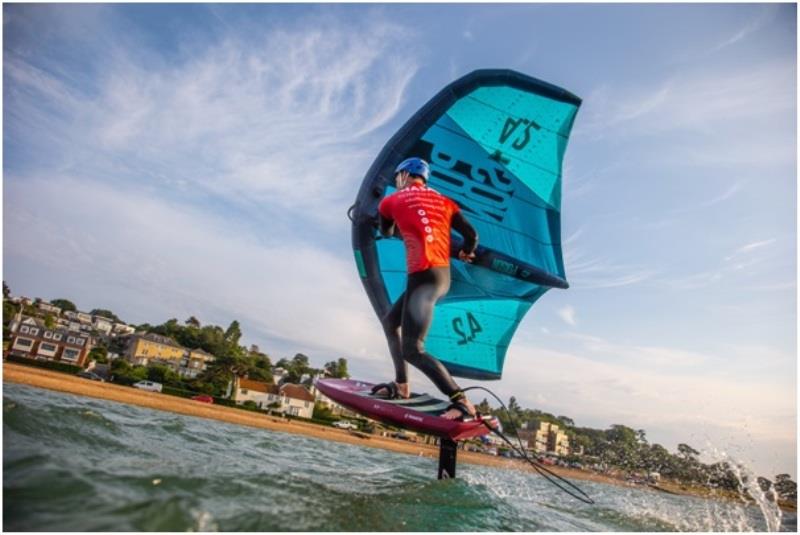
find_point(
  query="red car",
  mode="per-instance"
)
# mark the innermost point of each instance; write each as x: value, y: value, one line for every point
x: 203, y: 398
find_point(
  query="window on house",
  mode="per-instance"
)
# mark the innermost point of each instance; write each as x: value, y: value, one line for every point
x: 34, y: 331
x: 244, y: 391
x: 80, y: 341
x: 24, y: 329
x: 71, y: 340
x: 48, y: 334
x: 70, y: 354
x: 47, y: 347
x: 23, y: 342
x: 56, y: 337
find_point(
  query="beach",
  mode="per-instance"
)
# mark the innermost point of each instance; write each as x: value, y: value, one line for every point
x: 61, y: 382
x: 37, y: 377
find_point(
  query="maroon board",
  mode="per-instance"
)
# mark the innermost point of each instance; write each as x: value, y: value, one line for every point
x: 420, y: 412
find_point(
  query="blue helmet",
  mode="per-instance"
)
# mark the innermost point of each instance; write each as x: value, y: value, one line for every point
x: 415, y: 166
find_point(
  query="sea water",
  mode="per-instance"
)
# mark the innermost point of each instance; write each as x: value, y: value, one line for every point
x: 72, y: 463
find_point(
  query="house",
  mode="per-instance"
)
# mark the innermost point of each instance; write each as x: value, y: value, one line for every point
x: 287, y: 398
x: 261, y: 393
x: 32, y: 338
x: 102, y: 324
x: 278, y: 374
x: 335, y: 408
x: 47, y: 308
x: 297, y: 400
x: 195, y: 362
x: 144, y: 349
x: 123, y: 329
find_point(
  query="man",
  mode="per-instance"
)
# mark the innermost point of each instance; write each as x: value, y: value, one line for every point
x: 424, y: 218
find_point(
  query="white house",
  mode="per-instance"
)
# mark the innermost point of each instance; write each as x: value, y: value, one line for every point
x: 289, y: 398
x: 104, y: 325
x: 122, y: 328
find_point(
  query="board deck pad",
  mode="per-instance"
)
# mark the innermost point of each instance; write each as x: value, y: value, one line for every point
x: 420, y: 412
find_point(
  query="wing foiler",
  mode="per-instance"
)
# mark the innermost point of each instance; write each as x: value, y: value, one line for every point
x: 495, y: 140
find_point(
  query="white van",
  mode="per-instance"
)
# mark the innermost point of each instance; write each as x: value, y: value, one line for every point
x: 344, y: 424
x: 152, y: 386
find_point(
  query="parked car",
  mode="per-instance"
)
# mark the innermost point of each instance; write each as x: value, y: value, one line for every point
x: 344, y: 424
x: 203, y: 398
x: 91, y: 376
x: 151, y: 386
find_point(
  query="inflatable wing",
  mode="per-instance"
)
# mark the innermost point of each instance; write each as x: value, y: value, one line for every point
x: 495, y: 140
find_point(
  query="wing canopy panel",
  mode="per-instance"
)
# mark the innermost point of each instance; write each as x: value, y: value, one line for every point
x: 495, y: 141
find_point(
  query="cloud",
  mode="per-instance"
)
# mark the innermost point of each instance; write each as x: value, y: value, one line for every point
x: 282, y: 122
x: 178, y: 260
x: 742, y: 263
x: 659, y: 389
x: 752, y: 246
x: 211, y: 180
x: 765, y: 16
x: 567, y: 314
x: 713, y: 110
x: 595, y: 272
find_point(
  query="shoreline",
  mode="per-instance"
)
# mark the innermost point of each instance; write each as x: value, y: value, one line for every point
x: 51, y: 380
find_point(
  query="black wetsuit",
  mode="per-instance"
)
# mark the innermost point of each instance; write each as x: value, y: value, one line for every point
x: 407, y: 323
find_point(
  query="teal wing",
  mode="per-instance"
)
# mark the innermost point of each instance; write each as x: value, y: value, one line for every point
x: 495, y: 142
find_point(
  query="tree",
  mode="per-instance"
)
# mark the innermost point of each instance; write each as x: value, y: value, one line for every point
x: 49, y: 321
x: 234, y: 333
x: 295, y: 368
x: 483, y: 407
x: 9, y: 311
x: 336, y: 369
x: 6, y: 290
x: 64, y: 305
x: 163, y: 374
x: 322, y: 412
x: 193, y: 322
x: 99, y: 354
x: 567, y: 421
x: 785, y: 487
x: 688, y: 452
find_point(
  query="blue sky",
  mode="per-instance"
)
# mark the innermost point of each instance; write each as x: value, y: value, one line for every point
x: 174, y: 160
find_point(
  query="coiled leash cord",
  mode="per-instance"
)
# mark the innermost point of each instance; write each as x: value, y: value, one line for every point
x: 545, y: 472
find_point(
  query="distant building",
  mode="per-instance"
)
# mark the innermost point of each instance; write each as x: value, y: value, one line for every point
x: 150, y: 348
x: 144, y: 349
x: 297, y: 400
x: 195, y: 362
x: 46, y: 307
x: 278, y: 375
x: 123, y: 329
x: 31, y: 338
x: 102, y: 324
x: 287, y: 398
x: 261, y: 393
x: 548, y: 438
x: 335, y: 408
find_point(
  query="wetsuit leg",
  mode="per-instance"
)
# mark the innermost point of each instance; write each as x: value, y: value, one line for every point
x: 423, y: 290
x: 391, y: 327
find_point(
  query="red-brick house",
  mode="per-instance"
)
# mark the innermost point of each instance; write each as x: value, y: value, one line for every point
x: 31, y: 338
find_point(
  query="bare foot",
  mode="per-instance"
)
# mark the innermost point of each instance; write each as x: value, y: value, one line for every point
x: 404, y: 389
x: 454, y: 414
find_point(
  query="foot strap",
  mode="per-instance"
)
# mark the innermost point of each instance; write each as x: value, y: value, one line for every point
x: 392, y: 391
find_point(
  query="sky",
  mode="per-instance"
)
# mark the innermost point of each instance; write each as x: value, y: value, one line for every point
x: 168, y: 161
